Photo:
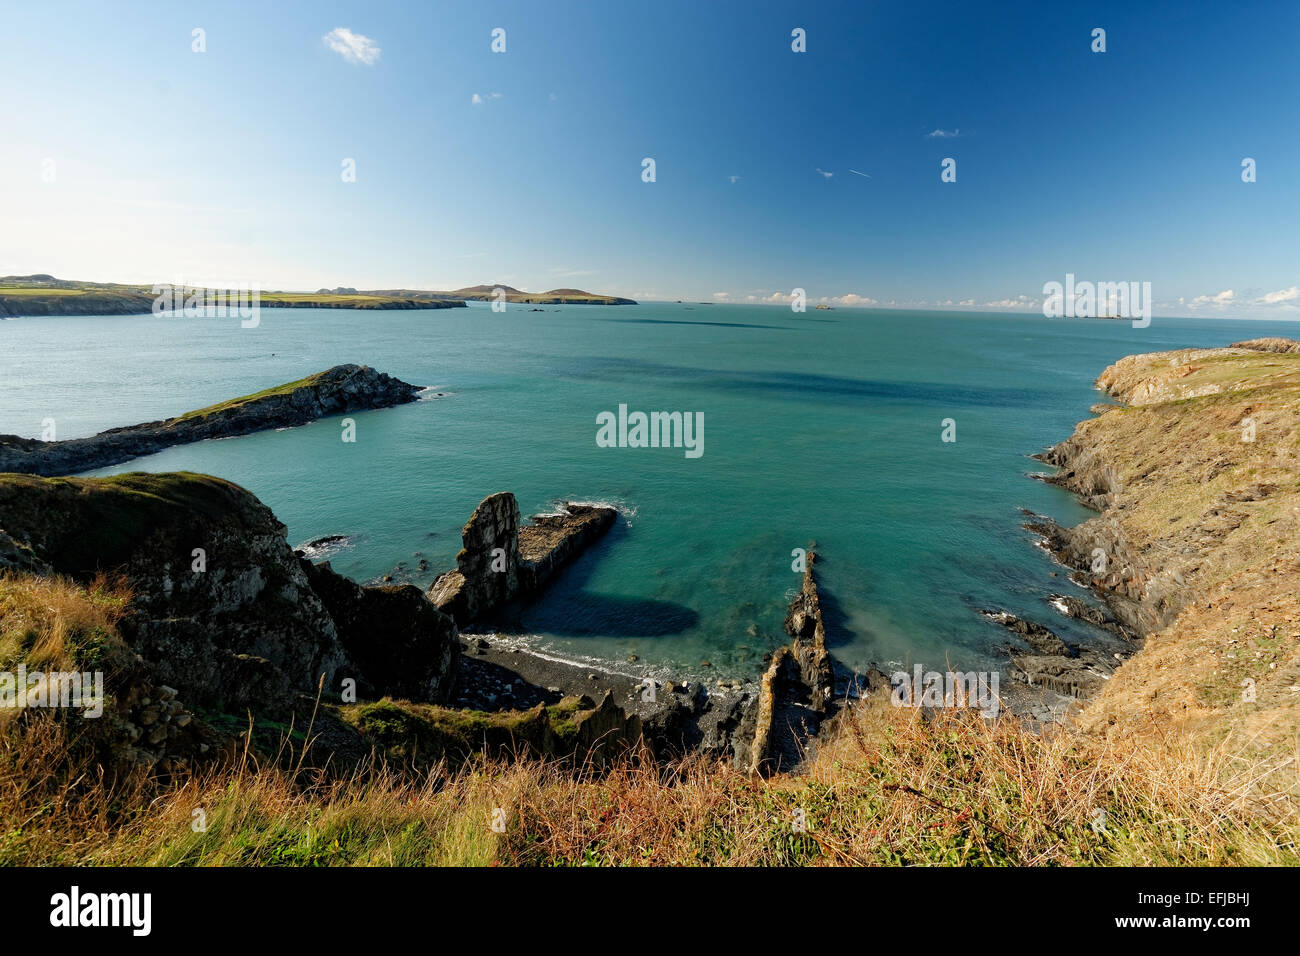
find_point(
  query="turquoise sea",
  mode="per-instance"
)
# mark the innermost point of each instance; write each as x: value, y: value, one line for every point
x: 822, y: 426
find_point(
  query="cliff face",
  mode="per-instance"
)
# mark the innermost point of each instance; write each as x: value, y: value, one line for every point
x: 223, y: 608
x: 1194, y: 546
x: 336, y: 391
x: 501, y: 562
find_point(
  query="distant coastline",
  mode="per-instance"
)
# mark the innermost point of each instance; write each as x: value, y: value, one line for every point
x: 44, y: 295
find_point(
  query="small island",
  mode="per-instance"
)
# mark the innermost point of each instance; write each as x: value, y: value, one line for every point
x: 335, y: 391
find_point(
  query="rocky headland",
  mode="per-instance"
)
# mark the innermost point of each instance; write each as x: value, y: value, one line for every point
x: 1193, y: 549
x: 336, y: 391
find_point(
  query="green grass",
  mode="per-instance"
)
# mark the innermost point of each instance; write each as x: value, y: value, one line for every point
x: 285, y: 389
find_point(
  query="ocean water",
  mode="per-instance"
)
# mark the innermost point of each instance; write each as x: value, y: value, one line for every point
x: 822, y: 426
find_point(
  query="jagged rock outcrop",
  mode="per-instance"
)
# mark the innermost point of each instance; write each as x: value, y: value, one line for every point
x: 804, y: 622
x: 502, y: 562
x: 222, y: 608
x: 401, y: 644
x: 1068, y: 669
x: 797, y: 692
x: 336, y: 391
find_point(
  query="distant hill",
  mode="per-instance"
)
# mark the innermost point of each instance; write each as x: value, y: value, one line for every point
x: 43, y: 294
x: 553, y: 297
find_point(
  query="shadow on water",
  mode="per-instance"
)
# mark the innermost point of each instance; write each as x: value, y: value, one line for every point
x: 804, y: 386
x: 566, y: 609
x: 834, y: 620
x: 720, y: 325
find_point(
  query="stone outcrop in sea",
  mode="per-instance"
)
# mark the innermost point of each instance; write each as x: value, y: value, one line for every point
x: 503, y: 562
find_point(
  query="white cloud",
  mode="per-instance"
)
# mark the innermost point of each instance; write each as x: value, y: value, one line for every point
x: 1019, y: 302
x: 943, y: 134
x: 733, y: 179
x: 353, y: 47
x: 853, y: 299
x: 863, y: 175
x: 480, y: 100
x: 824, y: 173
x: 1280, y: 297
x: 722, y: 296
x: 1223, y: 299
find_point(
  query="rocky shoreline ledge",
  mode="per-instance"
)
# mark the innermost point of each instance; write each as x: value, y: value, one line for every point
x: 335, y: 391
x: 1193, y: 481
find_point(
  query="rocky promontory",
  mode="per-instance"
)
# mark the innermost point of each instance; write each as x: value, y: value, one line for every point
x: 1193, y: 546
x: 503, y: 562
x: 336, y: 391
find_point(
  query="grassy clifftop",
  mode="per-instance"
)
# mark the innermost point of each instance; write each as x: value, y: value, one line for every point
x: 1201, y: 474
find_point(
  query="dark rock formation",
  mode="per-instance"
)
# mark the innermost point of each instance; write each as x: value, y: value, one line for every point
x: 502, y: 562
x: 1100, y: 558
x: 1077, y: 610
x: 401, y: 644
x: 804, y: 623
x: 342, y: 389
x: 797, y: 692
x: 1067, y: 669
x: 222, y: 608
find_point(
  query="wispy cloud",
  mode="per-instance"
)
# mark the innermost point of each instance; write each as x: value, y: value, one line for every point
x: 478, y: 100
x: 863, y: 175
x: 1018, y: 302
x: 1220, y: 300
x: 353, y: 47
x: 1281, y: 297
x: 852, y: 299
x: 824, y: 173
x: 943, y: 134
x: 733, y: 179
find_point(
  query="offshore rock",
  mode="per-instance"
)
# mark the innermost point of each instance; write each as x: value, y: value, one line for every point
x: 502, y: 562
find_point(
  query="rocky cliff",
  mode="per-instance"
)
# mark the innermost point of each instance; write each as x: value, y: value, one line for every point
x: 1194, y: 546
x: 502, y: 562
x: 336, y: 391
x: 222, y: 607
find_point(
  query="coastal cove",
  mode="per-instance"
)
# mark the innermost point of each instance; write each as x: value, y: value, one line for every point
x: 822, y: 427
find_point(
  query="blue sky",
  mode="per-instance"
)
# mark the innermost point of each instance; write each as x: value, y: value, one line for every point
x: 525, y: 167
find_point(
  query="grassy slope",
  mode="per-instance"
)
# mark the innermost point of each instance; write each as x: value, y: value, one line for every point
x: 1222, y: 515
x: 285, y: 389
x: 886, y: 788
